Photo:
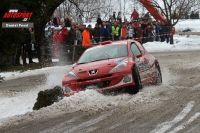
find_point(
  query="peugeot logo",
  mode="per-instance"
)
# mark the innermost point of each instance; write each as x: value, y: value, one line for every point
x: 93, y: 72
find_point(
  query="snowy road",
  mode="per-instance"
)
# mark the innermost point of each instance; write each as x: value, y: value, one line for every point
x: 173, y: 107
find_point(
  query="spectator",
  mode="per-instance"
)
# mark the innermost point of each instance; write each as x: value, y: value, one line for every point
x: 71, y: 36
x: 96, y: 33
x: 119, y: 20
x: 62, y: 42
x: 19, y: 52
x: 68, y: 21
x: 157, y: 30
x: 123, y: 31
x: 63, y: 34
x: 146, y: 34
x: 86, y: 38
x: 27, y: 47
x: 134, y: 25
x: 18, y: 55
x: 99, y: 21
x: 162, y: 32
x: 105, y: 32
x: 49, y: 33
x: 110, y: 19
x: 90, y: 30
x: 130, y: 31
x: 55, y: 37
x: 115, y: 31
x: 119, y: 14
x: 56, y: 43
x: 78, y: 35
x: 139, y: 33
x: 144, y: 25
x: 167, y: 35
x: 114, y: 16
x: 153, y: 33
x: 80, y: 20
x: 134, y: 15
x: 56, y: 20
x: 147, y: 16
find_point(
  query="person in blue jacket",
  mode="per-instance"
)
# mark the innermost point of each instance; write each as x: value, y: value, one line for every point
x: 105, y: 32
x: 158, y: 27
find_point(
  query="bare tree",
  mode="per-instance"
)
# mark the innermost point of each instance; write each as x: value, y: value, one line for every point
x: 169, y: 8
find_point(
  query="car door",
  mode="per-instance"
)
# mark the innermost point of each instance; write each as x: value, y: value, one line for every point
x: 138, y: 54
x: 149, y: 62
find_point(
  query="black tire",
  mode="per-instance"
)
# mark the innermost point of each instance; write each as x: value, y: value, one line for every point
x: 136, y: 77
x: 158, y: 74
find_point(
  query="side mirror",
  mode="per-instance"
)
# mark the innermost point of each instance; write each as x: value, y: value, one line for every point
x: 138, y: 56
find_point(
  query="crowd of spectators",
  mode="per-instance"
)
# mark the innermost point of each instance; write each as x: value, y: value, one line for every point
x: 142, y: 30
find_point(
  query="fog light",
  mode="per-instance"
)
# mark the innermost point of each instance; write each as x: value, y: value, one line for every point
x: 67, y: 89
x: 127, y: 78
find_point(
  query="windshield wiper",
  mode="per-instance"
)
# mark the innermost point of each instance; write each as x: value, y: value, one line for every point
x: 94, y: 61
x: 101, y: 59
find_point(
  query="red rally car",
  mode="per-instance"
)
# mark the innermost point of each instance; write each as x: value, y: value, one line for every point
x: 113, y: 65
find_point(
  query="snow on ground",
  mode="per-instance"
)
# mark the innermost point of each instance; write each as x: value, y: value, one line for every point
x: 87, y: 99
x: 191, y: 24
x: 181, y: 43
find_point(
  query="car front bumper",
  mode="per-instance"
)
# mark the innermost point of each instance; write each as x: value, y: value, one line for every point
x: 108, y: 82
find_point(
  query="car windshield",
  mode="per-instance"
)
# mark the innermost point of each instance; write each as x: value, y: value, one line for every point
x: 103, y: 53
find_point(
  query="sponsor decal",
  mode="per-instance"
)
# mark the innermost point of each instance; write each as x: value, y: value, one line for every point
x: 117, y: 61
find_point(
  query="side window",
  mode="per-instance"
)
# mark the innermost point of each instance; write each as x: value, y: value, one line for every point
x: 141, y: 48
x: 134, y: 49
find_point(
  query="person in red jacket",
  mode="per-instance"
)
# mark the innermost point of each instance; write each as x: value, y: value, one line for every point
x: 63, y: 42
x: 134, y: 15
x: 56, y: 43
x: 63, y: 34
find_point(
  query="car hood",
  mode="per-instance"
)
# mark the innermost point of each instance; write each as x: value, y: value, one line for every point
x: 99, y: 68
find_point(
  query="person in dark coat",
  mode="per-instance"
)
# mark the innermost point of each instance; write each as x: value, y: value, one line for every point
x: 67, y: 21
x: 71, y: 36
x: 27, y: 47
x: 99, y: 21
x: 96, y: 33
x: 56, y: 20
x: 114, y: 16
x: 162, y: 31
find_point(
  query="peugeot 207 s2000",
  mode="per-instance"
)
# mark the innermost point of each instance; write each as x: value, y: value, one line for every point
x: 113, y: 65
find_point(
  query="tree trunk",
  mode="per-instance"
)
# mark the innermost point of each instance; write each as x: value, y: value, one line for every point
x: 42, y: 47
x: 171, y: 35
x: 172, y: 40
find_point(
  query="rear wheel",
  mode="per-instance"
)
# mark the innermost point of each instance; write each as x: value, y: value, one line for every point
x: 158, y: 74
x: 136, y: 77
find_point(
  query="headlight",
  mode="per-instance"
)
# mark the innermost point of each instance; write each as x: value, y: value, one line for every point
x: 120, y: 66
x: 72, y: 75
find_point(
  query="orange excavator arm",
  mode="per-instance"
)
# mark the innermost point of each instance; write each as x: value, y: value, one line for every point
x: 152, y: 10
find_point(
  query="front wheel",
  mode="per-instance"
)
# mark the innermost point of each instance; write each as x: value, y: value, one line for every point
x: 136, y: 77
